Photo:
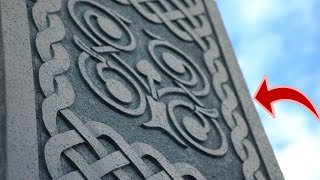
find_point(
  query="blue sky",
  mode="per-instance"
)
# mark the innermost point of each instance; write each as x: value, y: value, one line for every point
x: 281, y: 39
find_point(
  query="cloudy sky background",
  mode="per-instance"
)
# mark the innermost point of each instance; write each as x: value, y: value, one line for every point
x: 281, y: 39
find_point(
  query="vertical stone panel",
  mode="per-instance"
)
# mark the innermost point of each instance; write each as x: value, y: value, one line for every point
x: 126, y: 89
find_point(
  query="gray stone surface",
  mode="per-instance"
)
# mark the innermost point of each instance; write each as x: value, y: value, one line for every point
x: 125, y: 89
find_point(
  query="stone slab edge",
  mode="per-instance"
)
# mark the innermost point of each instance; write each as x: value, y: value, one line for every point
x: 243, y: 94
x: 21, y: 148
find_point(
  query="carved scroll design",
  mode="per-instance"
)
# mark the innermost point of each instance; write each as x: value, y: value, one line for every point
x: 59, y: 96
x: 186, y: 19
x: 185, y: 73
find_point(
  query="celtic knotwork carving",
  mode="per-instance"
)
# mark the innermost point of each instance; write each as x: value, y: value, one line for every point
x: 159, y: 110
x: 126, y: 155
x: 119, y: 92
x: 136, y: 88
x: 53, y: 71
x: 244, y: 148
x: 186, y: 19
x: 188, y: 14
x: 60, y: 95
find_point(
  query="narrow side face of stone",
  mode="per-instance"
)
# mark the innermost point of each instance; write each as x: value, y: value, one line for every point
x: 20, y: 128
x: 126, y: 89
x: 2, y: 119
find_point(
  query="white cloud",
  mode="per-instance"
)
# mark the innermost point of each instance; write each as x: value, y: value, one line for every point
x: 300, y: 160
x: 259, y: 12
x: 256, y: 11
x: 298, y: 146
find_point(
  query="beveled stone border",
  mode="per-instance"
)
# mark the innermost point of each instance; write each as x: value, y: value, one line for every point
x: 242, y: 91
x: 21, y: 145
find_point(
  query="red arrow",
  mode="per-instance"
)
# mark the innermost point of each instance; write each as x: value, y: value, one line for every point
x: 266, y: 96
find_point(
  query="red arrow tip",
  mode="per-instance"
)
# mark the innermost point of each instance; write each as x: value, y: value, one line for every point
x: 266, y: 97
x: 261, y: 97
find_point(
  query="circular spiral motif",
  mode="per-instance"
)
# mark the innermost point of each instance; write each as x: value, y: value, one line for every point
x: 178, y: 66
x: 196, y: 130
x: 103, y: 26
x: 106, y: 25
x: 46, y: 16
x: 118, y: 95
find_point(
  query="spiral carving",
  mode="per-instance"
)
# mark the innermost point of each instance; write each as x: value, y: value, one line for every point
x: 60, y: 95
x: 190, y: 24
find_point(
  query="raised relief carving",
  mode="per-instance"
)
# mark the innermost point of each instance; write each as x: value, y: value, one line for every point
x: 60, y: 95
x: 127, y: 155
x: 187, y: 20
x: 180, y: 67
x: 186, y: 74
x: 111, y: 29
x: 131, y: 90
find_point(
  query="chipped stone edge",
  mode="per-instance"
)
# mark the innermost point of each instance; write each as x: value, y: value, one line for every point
x: 20, y: 128
x: 243, y: 94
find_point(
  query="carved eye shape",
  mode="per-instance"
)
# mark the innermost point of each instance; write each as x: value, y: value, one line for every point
x: 119, y: 91
x: 195, y: 129
x: 109, y: 27
x: 173, y: 62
